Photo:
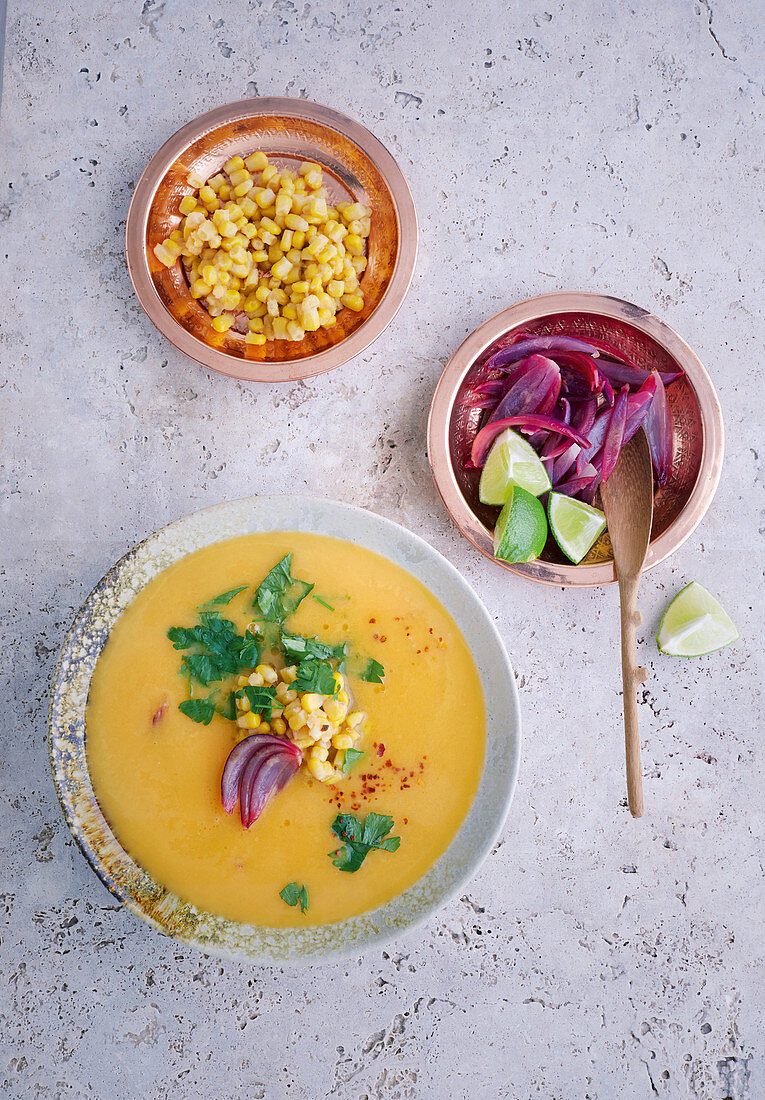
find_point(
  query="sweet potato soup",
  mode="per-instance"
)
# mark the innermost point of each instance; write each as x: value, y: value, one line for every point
x: 334, y: 695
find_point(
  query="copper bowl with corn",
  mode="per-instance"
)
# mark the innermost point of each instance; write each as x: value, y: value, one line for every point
x: 271, y: 239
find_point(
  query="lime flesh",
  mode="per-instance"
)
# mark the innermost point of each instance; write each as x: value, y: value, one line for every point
x: 521, y: 530
x: 511, y: 461
x: 694, y: 624
x: 575, y: 525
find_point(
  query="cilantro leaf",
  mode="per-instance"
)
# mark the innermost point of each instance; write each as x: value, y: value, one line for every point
x: 280, y: 594
x: 315, y: 676
x: 228, y: 709
x: 350, y: 758
x: 360, y: 838
x: 224, y: 598
x: 261, y: 699
x: 182, y: 637
x: 249, y: 652
x: 294, y: 893
x: 298, y: 647
x: 323, y: 603
x: 373, y: 672
x: 199, y: 710
x: 201, y: 667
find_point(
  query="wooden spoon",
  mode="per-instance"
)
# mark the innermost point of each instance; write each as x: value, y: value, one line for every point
x: 628, y: 503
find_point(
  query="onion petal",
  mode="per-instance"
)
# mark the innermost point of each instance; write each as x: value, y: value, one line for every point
x: 531, y: 344
x: 658, y: 428
x: 612, y: 444
x: 537, y: 387
x: 251, y: 774
x: 631, y: 375
x: 489, y: 432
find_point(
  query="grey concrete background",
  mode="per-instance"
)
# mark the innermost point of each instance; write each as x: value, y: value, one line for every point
x: 549, y: 145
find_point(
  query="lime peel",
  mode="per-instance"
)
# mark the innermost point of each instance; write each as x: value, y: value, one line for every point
x: 521, y: 529
x: 695, y: 624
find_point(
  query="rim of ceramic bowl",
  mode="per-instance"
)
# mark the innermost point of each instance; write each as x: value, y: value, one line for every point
x: 153, y: 902
x: 256, y: 370
x: 529, y: 311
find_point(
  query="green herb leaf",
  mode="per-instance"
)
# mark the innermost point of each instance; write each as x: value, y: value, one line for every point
x: 280, y: 594
x: 373, y: 672
x: 323, y: 603
x: 298, y: 647
x: 360, y: 838
x: 202, y: 668
x: 350, y: 758
x: 228, y: 709
x: 224, y: 598
x: 262, y: 699
x: 199, y: 710
x: 181, y: 637
x: 315, y: 676
x: 294, y: 893
x: 249, y: 653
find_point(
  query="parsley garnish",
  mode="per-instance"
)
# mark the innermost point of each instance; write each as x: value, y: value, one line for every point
x: 360, y: 838
x: 221, y: 651
x: 373, y: 672
x: 224, y: 598
x: 350, y: 758
x: 280, y: 594
x: 294, y: 893
x: 199, y: 710
x: 262, y: 699
x: 298, y: 647
x: 315, y: 676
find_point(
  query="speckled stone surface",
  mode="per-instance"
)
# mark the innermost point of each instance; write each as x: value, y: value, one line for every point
x: 596, y: 146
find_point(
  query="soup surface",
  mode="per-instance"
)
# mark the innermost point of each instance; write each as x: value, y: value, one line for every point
x: 157, y: 780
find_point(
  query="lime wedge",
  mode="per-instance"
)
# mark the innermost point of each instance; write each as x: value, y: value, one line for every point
x: 575, y: 525
x: 694, y: 624
x: 521, y: 530
x: 511, y: 461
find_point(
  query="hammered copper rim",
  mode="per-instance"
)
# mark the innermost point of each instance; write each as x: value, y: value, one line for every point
x: 530, y: 312
x: 255, y: 366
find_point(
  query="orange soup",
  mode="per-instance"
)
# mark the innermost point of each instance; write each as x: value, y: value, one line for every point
x: 157, y: 772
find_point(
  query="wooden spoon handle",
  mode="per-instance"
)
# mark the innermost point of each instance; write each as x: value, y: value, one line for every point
x: 631, y: 677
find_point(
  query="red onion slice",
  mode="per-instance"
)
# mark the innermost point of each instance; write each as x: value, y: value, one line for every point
x: 489, y: 433
x: 257, y: 791
x: 537, y: 386
x: 631, y: 375
x: 612, y: 444
x: 529, y: 345
x: 250, y: 776
x: 658, y: 428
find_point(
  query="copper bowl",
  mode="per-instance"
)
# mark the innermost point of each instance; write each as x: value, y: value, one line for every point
x: 356, y: 167
x: 698, y: 434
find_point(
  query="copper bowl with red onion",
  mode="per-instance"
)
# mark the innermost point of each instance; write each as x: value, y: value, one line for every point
x: 628, y: 341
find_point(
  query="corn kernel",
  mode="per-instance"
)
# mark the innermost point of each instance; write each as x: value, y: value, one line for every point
x: 353, y: 301
x: 233, y: 165
x: 194, y: 179
x: 256, y: 162
x: 281, y: 268
x: 256, y: 338
x: 321, y: 770
x: 269, y: 673
x: 356, y: 718
x: 223, y: 323
x: 248, y: 721
x: 343, y: 741
x: 279, y: 726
